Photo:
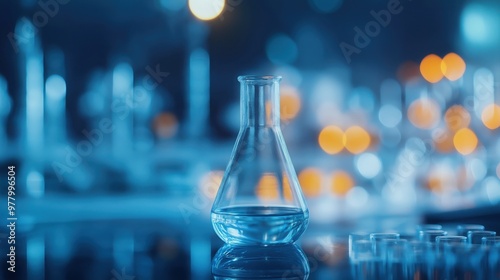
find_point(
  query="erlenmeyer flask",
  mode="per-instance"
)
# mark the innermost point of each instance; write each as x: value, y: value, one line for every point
x: 259, y: 200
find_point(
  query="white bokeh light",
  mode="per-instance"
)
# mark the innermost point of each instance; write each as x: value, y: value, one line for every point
x: 368, y: 165
x: 357, y: 197
x: 206, y: 9
x: 389, y: 115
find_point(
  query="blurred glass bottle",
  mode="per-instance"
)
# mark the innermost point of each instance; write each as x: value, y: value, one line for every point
x: 259, y: 200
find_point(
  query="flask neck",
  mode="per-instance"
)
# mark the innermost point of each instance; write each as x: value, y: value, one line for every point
x: 260, y: 105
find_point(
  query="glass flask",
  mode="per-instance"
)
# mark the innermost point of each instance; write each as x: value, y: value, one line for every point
x: 259, y: 200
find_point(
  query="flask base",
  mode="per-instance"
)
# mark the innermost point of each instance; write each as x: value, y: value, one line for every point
x: 259, y: 225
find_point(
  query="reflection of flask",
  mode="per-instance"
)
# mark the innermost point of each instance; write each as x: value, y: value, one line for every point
x: 259, y: 200
x: 260, y: 262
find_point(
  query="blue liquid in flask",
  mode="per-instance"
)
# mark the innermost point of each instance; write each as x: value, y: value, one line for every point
x: 263, y: 225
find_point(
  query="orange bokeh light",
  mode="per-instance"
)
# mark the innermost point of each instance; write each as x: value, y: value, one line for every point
x: 430, y: 68
x: 453, y: 66
x: 457, y: 117
x: 165, y: 125
x: 268, y: 187
x: 331, y: 139
x: 289, y: 103
x: 491, y: 116
x: 342, y: 182
x: 310, y: 181
x: 465, y: 141
x: 424, y: 113
x: 356, y: 139
x: 287, y: 189
x: 443, y: 141
x: 408, y: 71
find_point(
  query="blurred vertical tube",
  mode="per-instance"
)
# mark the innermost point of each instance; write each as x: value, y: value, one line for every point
x: 198, y: 83
x: 5, y: 107
x: 123, y: 81
x: 55, y: 88
x: 35, y: 257
x: 199, y: 92
x: 123, y: 251
x: 33, y: 84
x: 200, y: 257
x: 55, y: 99
x: 390, y: 93
x: 32, y: 108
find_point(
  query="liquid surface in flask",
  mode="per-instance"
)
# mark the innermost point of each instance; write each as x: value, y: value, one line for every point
x: 259, y: 224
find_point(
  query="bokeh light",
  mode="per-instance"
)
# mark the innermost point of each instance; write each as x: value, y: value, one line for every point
x: 206, y: 9
x: 357, y: 197
x: 389, y: 115
x: 441, y: 178
x: 424, y: 113
x: 289, y: 103
x: 492, y: 186
x: 408, y: 71
x: 430, y: 68
x: 478, y: 23
x: 368, y: 165
x: 342, y: 182
x: 491, y: 116
x: 453, y: 66
x: 310, y: 181
x: 443, y: 141
x: 465, y: 141
x: 165, y: 125
x: 356, y: 139
x: 281, y: 49
x: 267, y: 188
x: 55, y: 87
x: 457, y: 117
x: 210, y: 182
x: 331, y: 139
x: 287, y: 189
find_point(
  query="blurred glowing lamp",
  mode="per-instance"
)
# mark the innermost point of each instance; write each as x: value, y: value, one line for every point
x: 457, y: 117
x: 356, y: 139
x: 289, y: 103
x: 331, y: 139
x: 491, y: 116
x: 424, y: 113
x: 430, y: 68
x: 310, y: 181
x: 465, y: 141
x: 342, y: 182
x: 206, y: 9
x: 453, y: 66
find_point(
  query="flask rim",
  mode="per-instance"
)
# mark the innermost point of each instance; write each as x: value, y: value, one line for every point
x: 259, y: 79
